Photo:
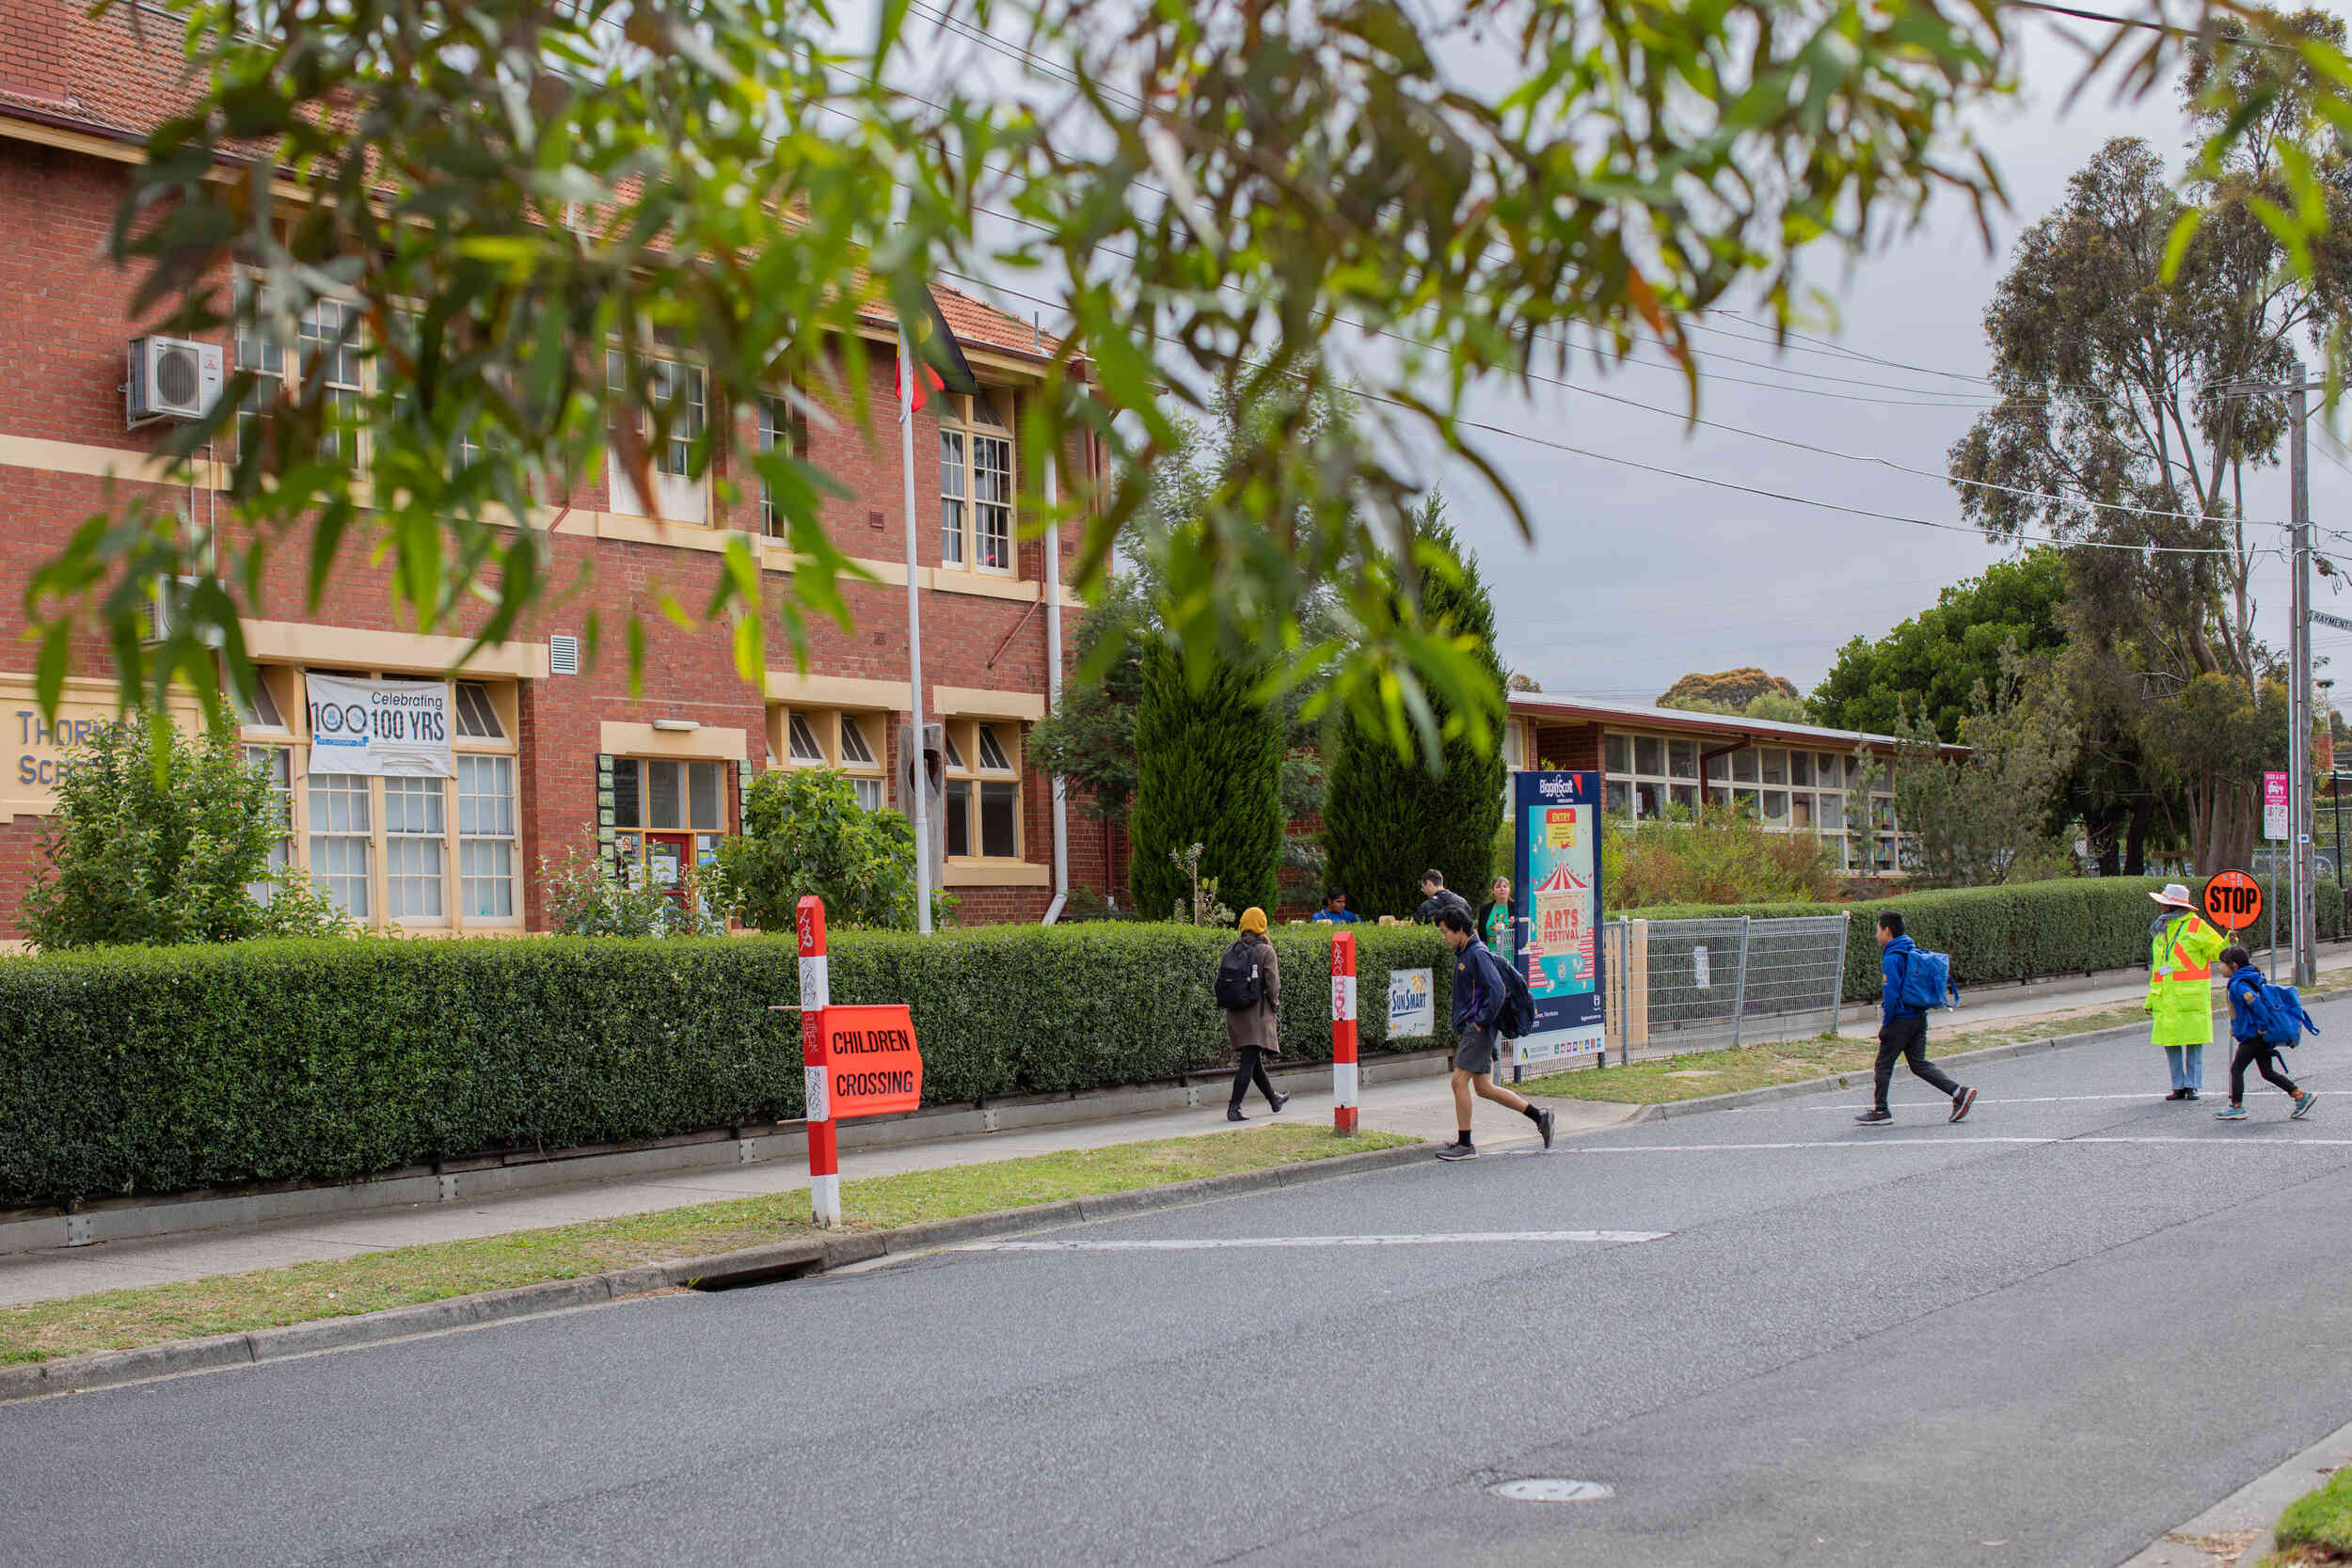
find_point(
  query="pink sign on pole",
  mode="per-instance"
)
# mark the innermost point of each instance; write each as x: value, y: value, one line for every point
x: 2275, y: 806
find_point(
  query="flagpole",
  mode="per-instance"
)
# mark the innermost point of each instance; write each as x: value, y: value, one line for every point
x: 920, y: 771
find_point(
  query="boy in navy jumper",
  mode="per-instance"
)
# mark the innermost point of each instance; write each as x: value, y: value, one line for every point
x: 2252, y: 1050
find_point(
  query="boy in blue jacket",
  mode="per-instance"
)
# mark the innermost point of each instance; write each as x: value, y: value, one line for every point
x: 1478, y: 1001
x: 2252, y: 1050
x: 1904, y: 1031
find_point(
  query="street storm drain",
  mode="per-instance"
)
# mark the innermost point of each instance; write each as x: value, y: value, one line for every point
x: 1552, y: 1489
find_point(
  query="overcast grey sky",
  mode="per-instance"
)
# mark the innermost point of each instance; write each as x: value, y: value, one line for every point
x: 1636, y: 578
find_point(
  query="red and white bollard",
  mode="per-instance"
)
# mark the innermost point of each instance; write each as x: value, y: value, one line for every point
x: 1343, y: 1033
x: 824, y: 1155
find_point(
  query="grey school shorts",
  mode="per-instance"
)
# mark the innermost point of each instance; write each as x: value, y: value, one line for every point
x: 1476, y: 1053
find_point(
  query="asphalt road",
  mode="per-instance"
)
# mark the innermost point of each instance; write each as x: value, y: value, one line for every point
x: 2037, y: 1340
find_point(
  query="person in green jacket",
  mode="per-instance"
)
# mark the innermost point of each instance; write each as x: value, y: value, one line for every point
x: 2182, y: 948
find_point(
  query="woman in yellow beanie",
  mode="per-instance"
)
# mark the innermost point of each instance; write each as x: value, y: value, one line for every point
x: 1249, y: 987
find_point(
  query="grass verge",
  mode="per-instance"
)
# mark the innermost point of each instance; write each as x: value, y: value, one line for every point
x: 1755, y: 1067
x: 268, y: 1298
x: 2316, y: 1529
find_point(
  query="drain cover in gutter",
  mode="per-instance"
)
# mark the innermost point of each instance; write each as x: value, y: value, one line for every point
x: 1552, y: 1489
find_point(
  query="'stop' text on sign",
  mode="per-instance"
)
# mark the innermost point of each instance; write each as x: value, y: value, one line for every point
x: 872, y: 1066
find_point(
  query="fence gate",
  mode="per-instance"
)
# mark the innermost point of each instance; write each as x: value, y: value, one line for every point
x: 1699, y: 985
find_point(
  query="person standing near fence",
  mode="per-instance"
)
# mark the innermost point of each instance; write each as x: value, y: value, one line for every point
x: 1494, y: 920
x: 2182, y: 948
x: 1250, y: 989
x: 1479, y: 994
x: 1903, y: 1030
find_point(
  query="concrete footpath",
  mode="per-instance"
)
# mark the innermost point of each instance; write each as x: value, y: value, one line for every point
x: 1420, y: 1107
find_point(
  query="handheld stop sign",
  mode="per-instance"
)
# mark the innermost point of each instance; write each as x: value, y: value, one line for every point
x: 2233, y: 900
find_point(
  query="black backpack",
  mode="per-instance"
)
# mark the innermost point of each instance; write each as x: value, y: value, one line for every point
x: 1237, y: 984
x: 1519, y: 1002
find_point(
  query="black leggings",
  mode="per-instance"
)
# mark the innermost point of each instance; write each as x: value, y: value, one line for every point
x: 2255, y: 1053
x: 1248, y: 1069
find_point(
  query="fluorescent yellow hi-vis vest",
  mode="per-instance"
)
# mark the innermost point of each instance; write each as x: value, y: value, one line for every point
x: 2180, y: 978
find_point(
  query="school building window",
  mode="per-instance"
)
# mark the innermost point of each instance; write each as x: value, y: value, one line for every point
x: 983, y: 787
x: 850, y: 743
x: 1788, y: 789
x: 329, y: 354
x: 396, y: 852
x: 975, y: 483
x: 668, y: 816
x: 775, y: 435
x: 677, y: 387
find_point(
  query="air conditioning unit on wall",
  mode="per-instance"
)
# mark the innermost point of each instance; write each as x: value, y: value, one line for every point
x: 171, y: 378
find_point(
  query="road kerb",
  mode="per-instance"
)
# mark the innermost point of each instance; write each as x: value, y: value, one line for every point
x: 749, y: 1265
x: 2255, y: 1505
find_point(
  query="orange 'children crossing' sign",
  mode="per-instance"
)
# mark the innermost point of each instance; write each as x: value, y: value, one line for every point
x: 873, y: 1068
x: 2233, y: 900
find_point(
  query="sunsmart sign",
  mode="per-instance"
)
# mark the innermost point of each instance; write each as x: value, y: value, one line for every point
x: 873, y: 1068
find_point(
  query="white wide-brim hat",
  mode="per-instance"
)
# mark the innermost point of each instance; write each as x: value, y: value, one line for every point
x: 2174, y: 894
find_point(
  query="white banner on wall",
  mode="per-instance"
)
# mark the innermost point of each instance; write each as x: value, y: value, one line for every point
x: 395, y: 728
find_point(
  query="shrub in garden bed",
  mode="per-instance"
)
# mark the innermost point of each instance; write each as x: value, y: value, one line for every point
x: 154, y: 1070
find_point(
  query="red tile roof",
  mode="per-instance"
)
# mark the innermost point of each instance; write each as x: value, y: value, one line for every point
x: 123, y: 73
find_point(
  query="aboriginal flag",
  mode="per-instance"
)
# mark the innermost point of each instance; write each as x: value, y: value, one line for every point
x: 939, y: 363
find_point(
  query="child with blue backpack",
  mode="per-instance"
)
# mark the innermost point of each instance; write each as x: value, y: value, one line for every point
x: 2262, y: 1017
x: 1912, y: 981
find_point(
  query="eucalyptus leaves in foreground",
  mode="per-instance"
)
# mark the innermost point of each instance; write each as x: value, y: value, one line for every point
x: 1237, y: 200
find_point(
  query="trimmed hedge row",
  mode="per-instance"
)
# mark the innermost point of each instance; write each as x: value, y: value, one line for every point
x: 1994, y: 934
x: 152, y: 1071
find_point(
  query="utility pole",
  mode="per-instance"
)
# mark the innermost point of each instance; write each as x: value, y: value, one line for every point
x: 2301, y: 814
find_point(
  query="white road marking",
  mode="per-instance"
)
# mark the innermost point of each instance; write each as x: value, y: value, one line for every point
x: 2024, y: 1099
x: 2217, y: 1140
x: 1211, y: 1243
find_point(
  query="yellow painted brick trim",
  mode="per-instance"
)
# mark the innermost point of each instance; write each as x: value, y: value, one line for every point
x: 642, y: 740
x: 978, y: 873
x: 788, y: 686
x: 303, y: 643
x: 967, y: 702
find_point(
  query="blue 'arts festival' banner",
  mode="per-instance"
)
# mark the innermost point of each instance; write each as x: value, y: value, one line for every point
x: 1556, y: 890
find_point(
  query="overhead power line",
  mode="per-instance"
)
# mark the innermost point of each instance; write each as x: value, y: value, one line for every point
x: 1757, y: 491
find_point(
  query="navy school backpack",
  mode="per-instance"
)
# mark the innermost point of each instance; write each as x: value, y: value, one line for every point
x: 2275, y: 1013
x: 1519, y: 1002
x: 1927, y: 981
x: 1237, y: 983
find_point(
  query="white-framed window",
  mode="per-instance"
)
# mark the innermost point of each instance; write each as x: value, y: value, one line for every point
x: 343, y: 841
x: 976, y: 484
x: 850, y: 743
x: 277, y: 766
x: 416, y: 829
x: 680, y: 387
x: 328, y: 348
x: 984, y: 793
x: 485, y: 837
x: 1789, y: 789
x: 401, y: 852
x: 775, y: 435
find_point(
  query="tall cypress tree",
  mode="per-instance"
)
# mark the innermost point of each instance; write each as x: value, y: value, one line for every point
x: 1208, y: 772
x: 1386, y: 818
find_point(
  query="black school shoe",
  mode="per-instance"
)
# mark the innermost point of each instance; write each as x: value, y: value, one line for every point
x: 1232, y: 1113
x: 2177, y: 1094
x: 1879, y: 1118
x: 1280, y: 1100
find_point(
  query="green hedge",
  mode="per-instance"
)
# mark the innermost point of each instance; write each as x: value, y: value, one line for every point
x: 151, y: 1070
x: 1995, y: 934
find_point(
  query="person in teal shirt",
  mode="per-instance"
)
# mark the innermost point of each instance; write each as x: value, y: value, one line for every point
x: 1335, y: 908
x: 1494, y: 921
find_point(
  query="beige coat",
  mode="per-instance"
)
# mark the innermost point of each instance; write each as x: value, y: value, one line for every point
x: 1257, y: 1025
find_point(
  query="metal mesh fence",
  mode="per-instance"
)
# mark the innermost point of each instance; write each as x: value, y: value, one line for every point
x: 1697, y: 984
